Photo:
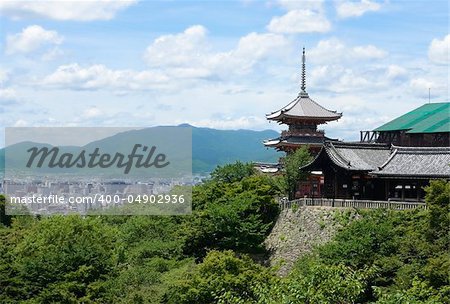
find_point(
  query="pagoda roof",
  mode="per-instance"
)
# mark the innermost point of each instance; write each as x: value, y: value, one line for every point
x: 304, y: 108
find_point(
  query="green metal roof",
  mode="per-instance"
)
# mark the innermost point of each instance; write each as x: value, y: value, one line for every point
x: 429, y: 118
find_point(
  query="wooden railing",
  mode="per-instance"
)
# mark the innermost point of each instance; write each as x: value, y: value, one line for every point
x: 360, y: 204
x: 316, y: 133
x: 368, y: 136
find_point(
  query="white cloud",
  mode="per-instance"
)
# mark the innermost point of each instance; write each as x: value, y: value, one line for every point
x: 422, y: 85
x: 52, y: 54
x: 438, y: 52
x: 244, y: 122
x: 100, y: 77
x: 301, y: 5
x: 369, y: 51
x: 351, y: 80
x: 65, y: 10
x: 337, y: 67
x: 92, y: 112
x: 301, y: 17
x: 345, y: 68
x: 300, y: 21
x: 189, y: 54
x: 396, y: 72
x: 252, y: 49
x: 179, y: 49
x: 181, y: 60
x: 174, y: 61
x: 338, y: 79
x: 347, y: 9
x: 32, y: 38
x: 335, y: 51
x: 8, y: 96
x: 4, y: 76
x: 20, y: 123
x: 328, y: 50
x: 419, y: 87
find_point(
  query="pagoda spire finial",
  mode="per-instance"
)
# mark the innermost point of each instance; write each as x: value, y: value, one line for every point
x: 303, y: 87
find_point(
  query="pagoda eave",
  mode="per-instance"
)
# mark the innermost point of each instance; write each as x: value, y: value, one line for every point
x: 287, y: 147
x: 283, y: 119
x: 275, y: 143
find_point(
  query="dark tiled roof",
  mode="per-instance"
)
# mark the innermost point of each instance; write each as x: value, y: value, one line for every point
x: 352, y: 156
x: 380, y: 160
x: 304, y: 107
x: 418, y: 162
x: 357, y: 156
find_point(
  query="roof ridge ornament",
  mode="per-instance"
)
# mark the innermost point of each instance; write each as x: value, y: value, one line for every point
x: 303, y: 83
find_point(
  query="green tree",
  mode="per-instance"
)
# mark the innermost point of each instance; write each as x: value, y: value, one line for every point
x: 437, y: 270
x: 238, y: 218
x: 146, y: 282
x: 315, y: 282
x: 419, y: 293
x: 363, y: 241
x: 4, y: 218
x: 220, y: 278
x: 231, y: 173
x: 292, y: 163
x: 438, y: 202
x: 65, y: 259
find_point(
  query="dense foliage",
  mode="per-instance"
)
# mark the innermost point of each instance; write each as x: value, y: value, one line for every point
x: 209, y: 256
x: 133, y: 259
x: 385, y: 257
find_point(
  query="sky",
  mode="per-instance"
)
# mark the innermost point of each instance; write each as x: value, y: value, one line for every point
x: 218, y: 64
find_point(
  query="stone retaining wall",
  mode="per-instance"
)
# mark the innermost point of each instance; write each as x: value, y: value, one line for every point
x: 298, y: 230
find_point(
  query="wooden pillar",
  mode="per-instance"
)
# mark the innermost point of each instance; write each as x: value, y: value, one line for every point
x: 403, y: 191
x: 419, y: 189
x: 335, y: 185
x: 386, y: 189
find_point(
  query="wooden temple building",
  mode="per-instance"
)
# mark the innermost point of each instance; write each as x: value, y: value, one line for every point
x: 396, y: 164
x: 372, y: 171
x: 393, y: 162
x: 302, y: 116
x: 426, y: 126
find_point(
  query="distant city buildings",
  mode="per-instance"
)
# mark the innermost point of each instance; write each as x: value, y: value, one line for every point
x: 80, y: 194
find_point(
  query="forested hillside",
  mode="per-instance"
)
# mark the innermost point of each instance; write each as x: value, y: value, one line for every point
x: 210, y: 256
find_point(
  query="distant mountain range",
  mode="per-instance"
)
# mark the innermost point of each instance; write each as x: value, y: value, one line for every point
x: 210, y: 147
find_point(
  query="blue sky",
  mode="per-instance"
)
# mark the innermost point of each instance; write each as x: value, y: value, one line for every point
x: 220, y: 64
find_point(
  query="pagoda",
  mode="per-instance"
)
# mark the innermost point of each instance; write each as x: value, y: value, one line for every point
x: 302, y: 115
